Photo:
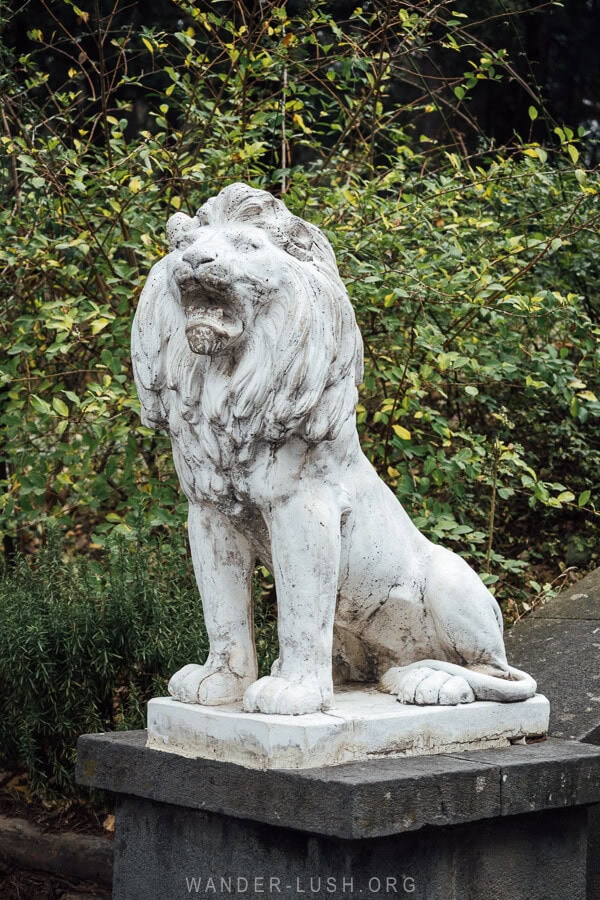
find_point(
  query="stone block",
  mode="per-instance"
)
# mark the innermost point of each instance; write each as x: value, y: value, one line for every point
x: 363, y: 724
x: 503, y: 824
x: 354, y: 800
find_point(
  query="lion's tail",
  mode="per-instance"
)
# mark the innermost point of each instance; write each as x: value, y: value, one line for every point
x: 513, y: 688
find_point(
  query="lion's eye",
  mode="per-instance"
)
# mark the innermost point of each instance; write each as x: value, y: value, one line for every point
x: 245, y: 244
x: 186, y: 240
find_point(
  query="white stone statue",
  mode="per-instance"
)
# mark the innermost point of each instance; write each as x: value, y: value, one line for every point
x: 245, y: 347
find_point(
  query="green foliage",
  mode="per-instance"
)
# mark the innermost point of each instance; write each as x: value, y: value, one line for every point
x: 472, y: 272
x: 85, y: 643
x: 480, y: 402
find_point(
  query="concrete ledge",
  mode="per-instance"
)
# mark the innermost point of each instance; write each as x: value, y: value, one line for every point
x: 355, y: 800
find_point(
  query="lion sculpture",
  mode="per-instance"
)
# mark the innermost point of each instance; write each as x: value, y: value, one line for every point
x: 246, y: 349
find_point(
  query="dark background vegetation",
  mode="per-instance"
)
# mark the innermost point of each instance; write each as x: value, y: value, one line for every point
x: 553, y: 52
x: 449, y: 151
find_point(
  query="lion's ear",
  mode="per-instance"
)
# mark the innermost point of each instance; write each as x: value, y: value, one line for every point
x: 300, y: 240
x: 177, y: 226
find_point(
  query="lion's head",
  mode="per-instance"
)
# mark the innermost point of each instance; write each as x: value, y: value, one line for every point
x: 246, y: 325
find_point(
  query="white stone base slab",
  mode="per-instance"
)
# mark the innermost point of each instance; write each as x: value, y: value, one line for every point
x: 364, y: 724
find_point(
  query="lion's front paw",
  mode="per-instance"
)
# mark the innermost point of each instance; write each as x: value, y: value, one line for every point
x: 278, y: 696
x: 207, y: 685
x: 424, y: 686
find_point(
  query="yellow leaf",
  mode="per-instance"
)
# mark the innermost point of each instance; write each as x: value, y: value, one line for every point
x: 299, y: 121
x: 99, y: 324
x: 84, y: 16
x: 403, y: 433
x: 148, y: 45
x: 135, y: 185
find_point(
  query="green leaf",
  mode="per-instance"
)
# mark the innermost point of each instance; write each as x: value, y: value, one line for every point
x: 72, y: 397
x: 566, y: 497
x: 60, y: 406
x: 20, y: 347
x: 40, y: 405
x: 583, y: 498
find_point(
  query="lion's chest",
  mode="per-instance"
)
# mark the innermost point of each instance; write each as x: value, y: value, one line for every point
x: 212, y: 468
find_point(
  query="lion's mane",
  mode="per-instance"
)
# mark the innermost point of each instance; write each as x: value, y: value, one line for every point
x: 295, y: 371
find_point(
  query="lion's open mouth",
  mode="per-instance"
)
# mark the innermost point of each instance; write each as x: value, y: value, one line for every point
x: 207, y: 314
x: 214, y: 318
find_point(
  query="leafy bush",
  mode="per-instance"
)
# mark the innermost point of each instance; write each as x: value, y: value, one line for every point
x: 480, y: 402
x: 84, y: 644
x: 472, y: 269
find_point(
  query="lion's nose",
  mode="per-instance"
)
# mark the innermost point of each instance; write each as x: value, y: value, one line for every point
x: 197, y: 255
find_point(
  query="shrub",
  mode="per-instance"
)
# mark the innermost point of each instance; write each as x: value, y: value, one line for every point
x: 85, y: 643
x: 471, y: 267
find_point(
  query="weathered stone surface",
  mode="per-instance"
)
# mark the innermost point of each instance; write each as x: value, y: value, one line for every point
x: 356, y: 800
x: 173, y: 852
x: 593, y: 853
x: 362, y: 725
x: 580, y: 601
x: 245, y: 347
x: 552, y: 775
x: 560, y: 646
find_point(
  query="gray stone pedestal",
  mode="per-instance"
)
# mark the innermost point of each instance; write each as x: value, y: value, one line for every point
x: 504, y: 824
x: 559, y: 644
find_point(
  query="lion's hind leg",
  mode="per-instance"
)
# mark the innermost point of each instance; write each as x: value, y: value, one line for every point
x: 468, y: 627
x: 435, y: 681
x: 423, y: 685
